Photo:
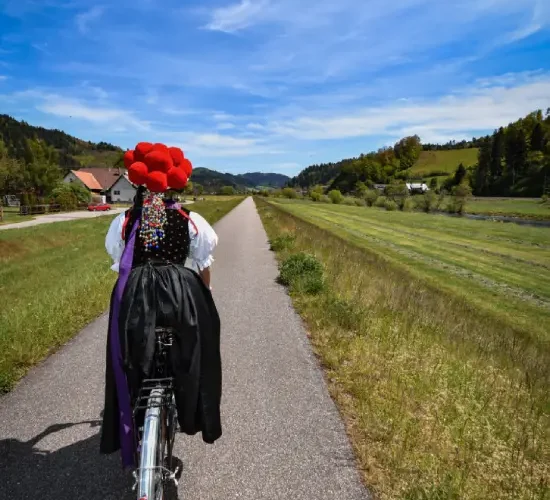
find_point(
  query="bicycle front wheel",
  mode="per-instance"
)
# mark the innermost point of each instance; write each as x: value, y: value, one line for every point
x: 151, y: 484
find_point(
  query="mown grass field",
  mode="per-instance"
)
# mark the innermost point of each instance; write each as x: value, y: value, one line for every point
x: 54, y: 279
x: 434, y: 334
x: 523, y: 208
x: 432, y: 163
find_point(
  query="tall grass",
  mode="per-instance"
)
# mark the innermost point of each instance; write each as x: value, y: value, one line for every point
x: 432, y: 410
x: 54, y: 279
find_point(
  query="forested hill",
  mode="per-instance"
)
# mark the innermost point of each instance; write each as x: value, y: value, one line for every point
x: 212, y: 179
x: 513, y: 161
x: 71, y: 152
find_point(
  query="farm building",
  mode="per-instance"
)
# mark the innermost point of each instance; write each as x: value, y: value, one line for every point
x: 112, y: 183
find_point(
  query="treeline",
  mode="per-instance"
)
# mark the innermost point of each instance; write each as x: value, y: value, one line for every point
x: 16, y: 136
x: 382, y: 166
x: 515, y: 160
x: 448, y: 146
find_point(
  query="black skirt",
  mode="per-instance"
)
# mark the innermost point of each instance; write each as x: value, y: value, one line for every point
x: 169, y: 295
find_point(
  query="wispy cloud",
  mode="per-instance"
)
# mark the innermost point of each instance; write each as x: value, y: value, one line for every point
x: 262, y: 83
x: 85, y: 19
x: 474, y: 109
x: 238, y: 16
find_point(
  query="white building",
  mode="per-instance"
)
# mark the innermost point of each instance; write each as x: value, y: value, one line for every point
x: 112, y: 183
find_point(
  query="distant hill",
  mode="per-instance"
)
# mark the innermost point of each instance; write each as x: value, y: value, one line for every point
x: 265, y: 179
x: 443, y: 162
x: 213, y: 180
x: 72, y: 152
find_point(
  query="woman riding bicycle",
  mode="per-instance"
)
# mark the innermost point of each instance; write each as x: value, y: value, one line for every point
x: 150, y: 244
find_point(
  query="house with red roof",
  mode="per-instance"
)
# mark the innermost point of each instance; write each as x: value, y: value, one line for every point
x: 113, y: 183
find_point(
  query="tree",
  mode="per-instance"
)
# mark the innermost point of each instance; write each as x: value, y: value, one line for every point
x: 497, y: 153
x: 198, y: 188
x: 407, y: 150
x: 537, y: 138
x: 516, y: 151
x: 460, y: 174
x: 227, y: 190
x: 483, y: 169
x: 433, y: 184
x: 188, y: 188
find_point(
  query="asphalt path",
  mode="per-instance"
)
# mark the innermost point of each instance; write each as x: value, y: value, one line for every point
x: 60, y: 217
x: 283, y: 437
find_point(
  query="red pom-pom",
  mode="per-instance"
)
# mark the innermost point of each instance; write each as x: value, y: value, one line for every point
x: 177, y: 179
x: 141, y: 150
x: 128, y: 158
x: 138, y: 173
x: 158, y: 161
x: 157, y: 182
x: 177, y: 155
x: 186, y: 166
x: 159, y: 147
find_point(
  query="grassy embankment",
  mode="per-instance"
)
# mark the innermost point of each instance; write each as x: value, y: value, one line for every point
x: 443, y: 163
x: 55, y: 279
x: 434, y: 335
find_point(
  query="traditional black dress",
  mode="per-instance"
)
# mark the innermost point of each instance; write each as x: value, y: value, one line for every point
x: 155, y: 288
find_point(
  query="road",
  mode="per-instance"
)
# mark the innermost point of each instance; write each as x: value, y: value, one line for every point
x: 283, y: 436
x: 61, y: 217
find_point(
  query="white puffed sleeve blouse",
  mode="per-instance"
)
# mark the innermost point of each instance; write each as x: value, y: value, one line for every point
x: 201, y: 248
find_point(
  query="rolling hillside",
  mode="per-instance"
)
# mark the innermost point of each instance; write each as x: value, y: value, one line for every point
x: 443, y: 163
x: 72, y: 152
x: 212, y: 179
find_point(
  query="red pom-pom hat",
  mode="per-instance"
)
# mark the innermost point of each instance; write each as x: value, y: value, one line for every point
x: 157, y: 166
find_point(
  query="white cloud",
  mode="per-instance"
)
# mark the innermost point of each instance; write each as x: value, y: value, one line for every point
x: 490, y: 104
x: 225, y: 126
x: 109, y: 118
x: 3, y: 77
x: 84, y: 19
x: 237, y: 16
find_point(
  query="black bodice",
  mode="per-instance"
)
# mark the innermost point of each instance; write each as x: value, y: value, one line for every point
x: 174, y: 248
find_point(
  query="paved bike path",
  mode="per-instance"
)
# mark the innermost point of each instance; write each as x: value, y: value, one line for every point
x: 283, y: 437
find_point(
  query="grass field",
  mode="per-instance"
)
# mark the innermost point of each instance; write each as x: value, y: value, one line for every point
x: 530, y: 209
x: 433, y: 163
x: 11, y: 215
x: 55, y: 279
x: 434, y: 333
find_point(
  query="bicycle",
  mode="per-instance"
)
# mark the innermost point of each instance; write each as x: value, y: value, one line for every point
x: 157, y: 434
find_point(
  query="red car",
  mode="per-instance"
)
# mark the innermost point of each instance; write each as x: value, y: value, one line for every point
x: 99, y: 207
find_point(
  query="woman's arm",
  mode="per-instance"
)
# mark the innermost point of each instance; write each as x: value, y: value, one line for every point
x: 205, y: 275
x: 202, y: 246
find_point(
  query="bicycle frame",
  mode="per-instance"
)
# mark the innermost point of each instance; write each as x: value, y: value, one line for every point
x: 156, y: 397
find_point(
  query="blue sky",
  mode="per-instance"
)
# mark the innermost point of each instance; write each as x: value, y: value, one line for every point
x: 273, y: 85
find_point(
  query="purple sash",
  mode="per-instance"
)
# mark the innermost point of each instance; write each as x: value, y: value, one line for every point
x: 127, y: 442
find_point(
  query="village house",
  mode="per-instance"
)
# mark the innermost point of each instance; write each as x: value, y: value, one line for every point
x: 112, y: 183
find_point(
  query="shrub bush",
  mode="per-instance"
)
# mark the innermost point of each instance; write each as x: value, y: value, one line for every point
x: 283, y: 242
x: 315, y: 196
x: 290, y: 193
x: 302, y: 273
x: 408, y: 205
x: 380, y: 202
x: 390, y: 205
x: 336, y: 196
x: 359, y: 202
x: 325, y: 199
x: 349, y: 200
x: 371, y: 196
x: 428, y: 201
